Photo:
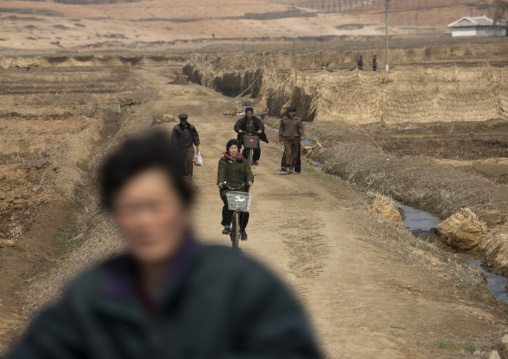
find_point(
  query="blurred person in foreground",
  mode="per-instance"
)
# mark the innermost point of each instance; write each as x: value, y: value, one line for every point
x: 168, y: 296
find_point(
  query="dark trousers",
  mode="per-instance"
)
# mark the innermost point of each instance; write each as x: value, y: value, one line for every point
x: 227, y: 216
x: 256, y: 154
x: 291, y: 149
x: 298, y: 165
x: 189, y: 160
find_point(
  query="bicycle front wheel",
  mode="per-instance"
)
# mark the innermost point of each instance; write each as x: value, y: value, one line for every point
x: 235, y: 232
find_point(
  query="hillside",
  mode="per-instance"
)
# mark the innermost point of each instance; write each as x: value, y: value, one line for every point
x: 61, y: 25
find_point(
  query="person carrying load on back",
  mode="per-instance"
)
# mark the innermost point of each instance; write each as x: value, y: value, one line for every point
x: 250, y: 124
x: 185, y: 137
x: 233, y: 172
x: 291, y: 132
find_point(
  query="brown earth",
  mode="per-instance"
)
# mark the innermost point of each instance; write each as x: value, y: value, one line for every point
x: 52, y: 122
x: 372, y: 290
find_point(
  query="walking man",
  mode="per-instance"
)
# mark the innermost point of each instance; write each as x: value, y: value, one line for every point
x: 251, y: 124
x: 374, y: 63
x: 290, y: 134
x: 185, y: 137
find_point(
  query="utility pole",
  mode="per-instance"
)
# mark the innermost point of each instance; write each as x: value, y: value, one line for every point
x: 386, y: 51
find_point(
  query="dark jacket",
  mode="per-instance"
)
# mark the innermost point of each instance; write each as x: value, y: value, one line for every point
x: 291, y: 128
x: 185, y: 136
x: 241, y: 124
x: 234, y: 174
x: 216, y: 305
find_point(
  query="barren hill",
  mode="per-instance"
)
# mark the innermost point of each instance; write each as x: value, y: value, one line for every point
x: 64, y: 25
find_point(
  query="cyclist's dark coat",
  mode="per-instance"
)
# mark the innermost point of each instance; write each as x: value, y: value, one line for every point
x: 241, y: 124
x: 215, y: 305
x: 235, y: 173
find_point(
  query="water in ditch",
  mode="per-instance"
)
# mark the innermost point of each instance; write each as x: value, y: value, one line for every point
x: 423, y: 224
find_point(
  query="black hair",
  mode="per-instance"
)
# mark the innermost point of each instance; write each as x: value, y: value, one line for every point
x: 249, y: 109
x: 138, y: 154
x: 232, y: 143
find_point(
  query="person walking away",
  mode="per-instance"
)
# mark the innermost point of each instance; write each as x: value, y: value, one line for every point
x: 359, y: 64
x: 233, y: 170
x: 166, y: 294
x: 374, y: 63
x: 185, y: 137
x: 251, y: 124
x: 291, y: 132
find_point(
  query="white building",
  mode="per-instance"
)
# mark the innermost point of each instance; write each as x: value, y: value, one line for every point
x: 478, y: 26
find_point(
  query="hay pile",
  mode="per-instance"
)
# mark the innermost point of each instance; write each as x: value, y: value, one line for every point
x: 495, y: 248
x: 387, y: 209
x: 412, y: 94
x: 463, y: 230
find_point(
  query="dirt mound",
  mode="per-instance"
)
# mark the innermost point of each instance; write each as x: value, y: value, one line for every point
x: 495, y: 248
x: 122, y: 63
x: 387, y: 209
x: 463, y: 230
x: 416, y: 181
x: 160, y: 119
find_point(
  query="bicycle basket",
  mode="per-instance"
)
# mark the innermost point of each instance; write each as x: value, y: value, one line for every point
x: 239, y: 201
x: 250, y: 141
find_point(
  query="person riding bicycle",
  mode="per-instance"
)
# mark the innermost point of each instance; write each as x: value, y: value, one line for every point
x: 251, y: 124
x: 234, y: 170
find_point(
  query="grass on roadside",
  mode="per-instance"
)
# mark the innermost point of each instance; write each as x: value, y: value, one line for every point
x: 457, y: 346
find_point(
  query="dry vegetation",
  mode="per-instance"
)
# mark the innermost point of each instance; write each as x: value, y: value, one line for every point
x: 53, y: 121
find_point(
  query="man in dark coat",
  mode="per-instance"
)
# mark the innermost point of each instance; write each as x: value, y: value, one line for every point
x: 168, y: 296
x: 185, y: 137
x: 374, y: 63
x: 291, y: 132
x: 251, y: 124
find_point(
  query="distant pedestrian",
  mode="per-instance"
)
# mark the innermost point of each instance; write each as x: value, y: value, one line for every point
x: 291, y: 132
x: 185, y: 137
x: 374, y: 63
x: 359, y: 64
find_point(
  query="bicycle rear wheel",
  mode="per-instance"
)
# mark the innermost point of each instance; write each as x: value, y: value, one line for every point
x: 250, y: 156
x: 235, y: 232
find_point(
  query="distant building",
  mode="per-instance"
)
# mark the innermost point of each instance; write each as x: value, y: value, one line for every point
x: 478, y: 26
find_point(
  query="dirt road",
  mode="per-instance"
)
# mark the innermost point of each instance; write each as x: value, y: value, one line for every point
x: 371, y: 289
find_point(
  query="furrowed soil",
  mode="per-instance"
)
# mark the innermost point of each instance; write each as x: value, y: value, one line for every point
x: 371, y: 289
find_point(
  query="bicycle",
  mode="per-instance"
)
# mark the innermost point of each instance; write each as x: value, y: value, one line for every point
x: 238, y: 201
x: 250, y: 142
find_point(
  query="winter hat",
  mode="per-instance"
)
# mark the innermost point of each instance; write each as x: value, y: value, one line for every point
x: 232, y: 143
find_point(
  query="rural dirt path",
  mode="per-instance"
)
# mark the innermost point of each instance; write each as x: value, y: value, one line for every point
x: 369, y: 290
x: 366, y: 300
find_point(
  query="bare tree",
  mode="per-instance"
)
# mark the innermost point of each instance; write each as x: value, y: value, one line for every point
x: 501, y: 9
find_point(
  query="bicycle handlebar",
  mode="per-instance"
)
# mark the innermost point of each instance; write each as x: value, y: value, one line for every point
x: 225, y: 185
